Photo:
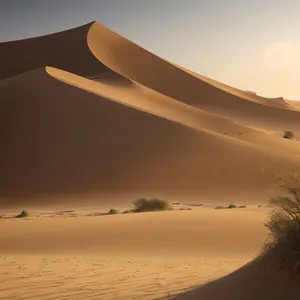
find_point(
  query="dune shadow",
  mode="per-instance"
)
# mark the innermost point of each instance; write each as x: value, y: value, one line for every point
x: 256, y: 280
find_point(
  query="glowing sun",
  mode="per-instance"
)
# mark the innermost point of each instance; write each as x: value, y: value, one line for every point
x: 280, y: 54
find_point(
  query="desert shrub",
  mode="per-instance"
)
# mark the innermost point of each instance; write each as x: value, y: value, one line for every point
x: 151, y: 204
x: 220, y: 207
x: 242, y: 206
x: 113, y: 211
x: 184, y: 208
x: 23, y: 214
x: 283, y: 222
x: 288, y: 134
x: 126, y: 211
x: 230, y: 206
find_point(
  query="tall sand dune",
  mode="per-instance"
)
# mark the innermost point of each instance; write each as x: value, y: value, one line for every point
x: 111, y: 117
x: 94, y: 51
x: 77, y: 137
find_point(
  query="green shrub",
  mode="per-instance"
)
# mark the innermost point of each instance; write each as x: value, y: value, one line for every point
x: 151, y: 204
x: 230, y: 206
x: 126, y: 212
x: 288, y: 134
x: 283, y: 222
x: 113, y: 211
x: 220, y: 207
x: 23, y: 214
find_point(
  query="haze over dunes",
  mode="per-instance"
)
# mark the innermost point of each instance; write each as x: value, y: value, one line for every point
x: 87, y: 111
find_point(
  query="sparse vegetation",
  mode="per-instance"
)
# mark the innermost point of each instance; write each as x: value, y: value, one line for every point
x: 113, y: 211
x: 230, y: 206
x: 220, y: 207
x: 288, y: 134
x: 185, y: 208
x: 23, y: 214
x: 151, y: 204
x: 284, y: 222
x: 127, y: 211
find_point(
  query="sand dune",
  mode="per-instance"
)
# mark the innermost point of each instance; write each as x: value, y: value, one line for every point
x: 172, y: 81
x: 86, y: 136
x: 112, y: 124
x: 259, y: 279
x: 104, y: 53
x: 67, y: 50
x: 90, y: 119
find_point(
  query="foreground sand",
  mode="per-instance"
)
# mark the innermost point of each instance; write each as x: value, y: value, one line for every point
x: 139, y: 256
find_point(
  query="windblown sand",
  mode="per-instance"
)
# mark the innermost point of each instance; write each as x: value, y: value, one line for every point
x: 137, y: 256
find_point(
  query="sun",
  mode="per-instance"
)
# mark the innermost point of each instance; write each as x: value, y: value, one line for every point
x: 279, y: 54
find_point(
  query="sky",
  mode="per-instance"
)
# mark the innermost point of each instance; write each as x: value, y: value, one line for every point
x: 253, y: 45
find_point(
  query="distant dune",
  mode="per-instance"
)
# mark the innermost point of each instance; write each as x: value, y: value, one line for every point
x: 108, y: 117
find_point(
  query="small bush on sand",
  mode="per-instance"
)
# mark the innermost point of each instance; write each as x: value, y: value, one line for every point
x: 188, y: 208
x: 113, y: 211
x: 23, y: 214
x: 284, y: 221
x: 288, y: 134
x: 230, y: 206
x: 126, y: 212
x: 151, y: 204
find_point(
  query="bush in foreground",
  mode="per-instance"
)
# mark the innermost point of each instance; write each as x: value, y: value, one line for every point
x: 113, y: 211
x: 288, y: 134
x: 151, y: 204
x: 127, y: 211
x: 284, y: 221
x: 23, y: 214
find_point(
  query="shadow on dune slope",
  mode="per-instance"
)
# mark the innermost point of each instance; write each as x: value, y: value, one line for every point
x: 256, y: 280
x: 94, y: 51
x: 67, y: 50
x: 58, y: 138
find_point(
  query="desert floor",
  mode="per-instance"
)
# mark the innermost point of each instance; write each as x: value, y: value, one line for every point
x: 135, y: 256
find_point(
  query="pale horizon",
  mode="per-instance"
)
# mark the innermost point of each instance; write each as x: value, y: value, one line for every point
x: 253, y: 46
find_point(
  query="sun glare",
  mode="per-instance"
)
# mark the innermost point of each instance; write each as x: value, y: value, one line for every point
x: 280, y: 55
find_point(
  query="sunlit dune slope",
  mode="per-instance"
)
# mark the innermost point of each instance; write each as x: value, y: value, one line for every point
x: 135, y: 95
x: 113, y: 118
x: 96, y: 52
x: 135, y: 63
x: 251, y: 96
x: 60, y: 138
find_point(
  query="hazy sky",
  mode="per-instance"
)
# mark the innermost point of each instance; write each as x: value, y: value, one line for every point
x: 253, y: 45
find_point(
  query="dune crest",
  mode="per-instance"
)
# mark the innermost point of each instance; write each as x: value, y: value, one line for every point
x: 132, y: 121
